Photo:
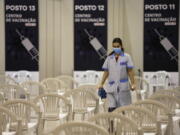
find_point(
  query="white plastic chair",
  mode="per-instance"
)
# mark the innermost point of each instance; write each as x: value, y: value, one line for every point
x: 24, y: 110
x: 54, y: 107
x: 69, y: 80
x: 89, y: 87
x: 177, y: 88
x: 93, y: 88
x: 8, y: 118
x: 78, y: 128
x: 22, y: 76
x: 33, y: 88
x: 7, y: 80
x: 92, y: 77
x: 160, y: 80
x: 171, y: 92
x: 83, y: 102
x: 13, y: 92
x: 142, y: 117
x: 162, y: 113
x: 142, y: 89
x: 116, y: 124
x: 169, y: 101
x: 54, y: 85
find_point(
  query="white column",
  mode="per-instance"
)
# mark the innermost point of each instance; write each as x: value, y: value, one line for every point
x: 2, y: 38
x: 50, y: 37
x: 67, y: 37
x: 179, y: 46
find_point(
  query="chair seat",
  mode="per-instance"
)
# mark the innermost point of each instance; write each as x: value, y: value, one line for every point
x: 8, y: 133
x: 149, y: 129
x: 84, y: 110
x: 149, y: 133
x: 152, y: 129
x: 177, y: 112
x: 54, y: 116
x: 32, y: 125
x: 90, y: 109
x: 24, y: 127
x: 163, y: 128
x: 163, y: 119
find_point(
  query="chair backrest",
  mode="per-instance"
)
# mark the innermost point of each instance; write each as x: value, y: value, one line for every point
x: 177, y: 88
x: 7, y: 80
x: 89, y: 87
x: 53, y: 104
x: 13, y: 92
x: 24, y: 110
x: 170, y: 92
x: 157, y: 108
x: 53, y: 84
x: 162, y: 78
x: 163, y: 114
x: 22, y: 76
x: 33, y: 88
x: 142, y: 117
x: 8, y: 118
x: 2, y: 99
x: 142, y: 84
x: 79, y: 128
x: 169, y: 101
x: 81, y: 99
x: 69, y: 80
x: 116, y: 124
x: 142, y: 88
x: 92, y: 77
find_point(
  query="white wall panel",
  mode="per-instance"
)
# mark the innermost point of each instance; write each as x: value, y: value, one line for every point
x: 67, y: 44
x: 57, y: 36
x: 2, y: 40
x: 42, y: 38
x: 50, y: 37
x: 133, y: 30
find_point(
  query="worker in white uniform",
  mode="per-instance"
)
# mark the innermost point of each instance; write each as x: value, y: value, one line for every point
x: 117, y: 67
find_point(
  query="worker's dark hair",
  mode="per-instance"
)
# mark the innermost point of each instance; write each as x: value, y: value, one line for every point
x: 117, y: 40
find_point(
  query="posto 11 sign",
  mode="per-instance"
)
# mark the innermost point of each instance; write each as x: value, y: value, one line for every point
x: 161, y: 20
x: 160, y: 7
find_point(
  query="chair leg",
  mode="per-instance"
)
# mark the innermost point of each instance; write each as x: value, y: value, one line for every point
x: 73, y: 115
x: 83, y: 116
x: 43, y: 123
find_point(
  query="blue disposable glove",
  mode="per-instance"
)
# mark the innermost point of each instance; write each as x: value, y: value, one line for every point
x: 102, y: 93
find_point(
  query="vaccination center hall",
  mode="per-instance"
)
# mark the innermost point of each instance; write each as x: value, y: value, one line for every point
x: 89, y: 67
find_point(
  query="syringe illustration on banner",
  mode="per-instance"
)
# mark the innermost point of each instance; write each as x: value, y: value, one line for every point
x: 29, y: 46
x: 99, y: 48
x: 170, y: 49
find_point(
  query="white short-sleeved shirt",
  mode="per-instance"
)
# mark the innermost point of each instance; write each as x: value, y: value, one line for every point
x: 118, y: 75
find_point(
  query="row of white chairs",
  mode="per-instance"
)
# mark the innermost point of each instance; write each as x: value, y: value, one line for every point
x: 175, y: 94
x: 173, y: 103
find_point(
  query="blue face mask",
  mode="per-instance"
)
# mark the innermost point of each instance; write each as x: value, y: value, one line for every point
x: 117, y: 50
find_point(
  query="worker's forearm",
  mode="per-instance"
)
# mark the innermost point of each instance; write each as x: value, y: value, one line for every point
x: 105, y: 75
x: 131, y: 76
